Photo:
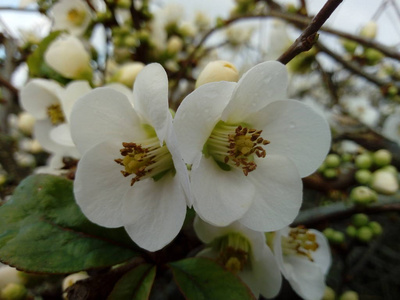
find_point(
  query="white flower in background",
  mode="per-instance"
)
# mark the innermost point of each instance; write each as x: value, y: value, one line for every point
x: 239, y: 34
x: 127, y: 73
x: 391, y: 127
x: 67, y: 55
x: 26, y: 122
x: 278, y: 39
x: 218, y: 70
x: 304, y: 258
x: 360, y: 108
x: 249, y: 147
x: 71, y: 15
x: 243, y: 252
x: 131, y: 173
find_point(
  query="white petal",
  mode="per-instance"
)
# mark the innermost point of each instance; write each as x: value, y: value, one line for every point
x: 198, y: 114
x: 296, y: 131
x: 322, y: 256
x: 123, y: 89
x: 100, y: 187
x: 207, y: 232
x: 62, y: 135
x: 154, y: 211
x: 71, y: 93
x: 104, y: 114
x: 220, y: 197
x: 261, y: 85
x: 150, y: 97
x: 38, y: 95
x: 278, y: 194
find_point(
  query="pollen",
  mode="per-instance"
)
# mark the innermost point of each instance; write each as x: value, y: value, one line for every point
x: 236, y: 146
x: 300, y: 241
x: 143, y: 162
x: 55, y: 114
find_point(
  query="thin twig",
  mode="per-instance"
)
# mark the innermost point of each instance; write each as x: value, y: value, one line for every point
x: 9, y: 86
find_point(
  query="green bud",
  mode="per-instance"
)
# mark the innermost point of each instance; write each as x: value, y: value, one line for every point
x: 363, y: 195
x: 322, y: 167
x: 384, y: 182
x: 328, y: 232
x: 363, y: 161
x: 365, y: 234
x: 351, y: 231
x: 363, y: 176
x: 373, y: 56
x: 360, y: 220
x: 349, y: 46
x: 329, y: 294
x: 382, y: 157
x: 375, y: 227
x: 337, y: 237
x: 392, y: 91
x: 391, y: 169
x: 349, y: 295
x: 332, y: 161
x: 331, y: 173
x: 346, y: 157
x: 14, y: 291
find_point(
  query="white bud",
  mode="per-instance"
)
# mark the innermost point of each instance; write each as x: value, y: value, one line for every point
x: 384, y: 182
x: 26, y: 122
x: 174, y: 44
x: 218, y: 70
x: 369, y: 30
x: 127, y: 73
x: 8, y: 275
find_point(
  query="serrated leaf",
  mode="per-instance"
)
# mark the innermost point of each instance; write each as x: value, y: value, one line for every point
x: 134, y: 285
x: 43, y: 230
x: 203, y: 279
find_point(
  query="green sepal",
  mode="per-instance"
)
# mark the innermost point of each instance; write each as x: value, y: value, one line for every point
x: 42, y: 230
x: 201, y: 278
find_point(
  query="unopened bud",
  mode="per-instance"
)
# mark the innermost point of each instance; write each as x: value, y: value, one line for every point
x: 382, y: 157
x: 369, y: 30
x: 351, y: 231
x: 26, y: 122
x: 174, y: 44
x: 332, y: 161
x: 14, y: 291
x: 329, y: 294
x: 349, y: 295
x: 127, y: 73
x: 365, y: 234
x: 218, y: 70
x: 360, y: 220
x: 363, y: 176
x: 363, y: 161
x: 363, y: 195
x: 375, y: 227
x: 384, y: 182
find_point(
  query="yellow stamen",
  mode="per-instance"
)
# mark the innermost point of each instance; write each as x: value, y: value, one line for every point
x: 300, y: 241
x: 55, y: 114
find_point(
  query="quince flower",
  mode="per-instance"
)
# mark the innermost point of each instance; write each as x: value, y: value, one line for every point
x: 71, y: 15
x: 131, y: 173
x: 304, y: 258
x: 243, y: 252
x: 248, y: 148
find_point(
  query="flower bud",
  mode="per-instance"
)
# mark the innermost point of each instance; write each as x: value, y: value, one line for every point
x: 337, y: 237
x: 363, y: 161
x: 351, y: 231
x: 332, y: 161
x: 369, y: 30
x: 331, y: 173
x: 127, y: 73
x: 363, y: 176
x: 26, y: 122
x: 328, y: 232
x: 363, y: 195
x: 384, y: 182
x: 373, y: 56
x: 360, y: 220
x: 329, y: 294
x: 8, y: 275
x: 375, y: 227
x: 14, y: 291
x: 174, y: 44
x: 391, y: 169
x: 218, y: 70
x: 382, y: 157
x: 349, y: 46
x: 349, y: 295
x: 365, y: 234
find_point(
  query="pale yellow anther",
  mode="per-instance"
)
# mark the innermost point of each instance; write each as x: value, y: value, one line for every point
x: 234, y: 265
x: 55, y: 114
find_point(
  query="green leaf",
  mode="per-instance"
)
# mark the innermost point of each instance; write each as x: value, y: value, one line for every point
x: 43, y: 230
x: 203, y: 279
x: 134, y: 285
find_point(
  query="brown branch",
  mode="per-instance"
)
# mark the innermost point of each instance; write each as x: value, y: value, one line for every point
x: 9, y: 86
x: 309, y: 36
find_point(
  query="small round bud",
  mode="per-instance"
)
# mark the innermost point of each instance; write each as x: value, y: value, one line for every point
x: 363, y: 195
x: 26, y: 122
x: 363, y: 161
x: 349, y: 46
x: 369, y: 30
x: 332, y: 161
x: 375, y: 227
x: 346, y: 157
x: 14, y: 291
x: 365, y: 234
x: 384, y: 182
x: 363, y: 176
x: 328, y: 232
x: 349, y: 295
x: 392, y: 91
x: 127, y: 73
x: 329, y: 294
x: 337, y: 237
x: 382, y: 157
x: 331, y: 173
x: 174, y: 44
x: 322, y: 167
x: 360, y: 220
x: 218, y: 70
x: 391, y: 169
x: 373, y: 56
x: 351, y: 231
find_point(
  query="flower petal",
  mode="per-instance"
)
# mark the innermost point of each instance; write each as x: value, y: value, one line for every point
x: 38, y: 95
x: 207, y: 232
x: 100, y: 187
x: 261, y: 85
x: 62, y: 135
x: 278, y: 194
x: 296, y: 131
x: 150, y: 98
x: 220, y: 197
x: 104, y: 114
x: 71, y: 93
x: 154, y: 211
x: 198, y: 114
x: 322, y: 257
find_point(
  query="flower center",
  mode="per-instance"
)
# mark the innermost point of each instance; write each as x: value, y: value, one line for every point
x: 145, y: 159
x: 76, y: 16
x: 300, y: 241
x: 55, y: 114
x: 235, y: 146
x: 234, y: 251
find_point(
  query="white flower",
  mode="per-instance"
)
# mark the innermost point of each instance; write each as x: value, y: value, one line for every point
x: 304, y: 258
x: 249, y: 148
x: 68, y: 56
x: 360, y: 108
x: 243, y: 252
x: 71, y: 15
x: 131, y: 173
